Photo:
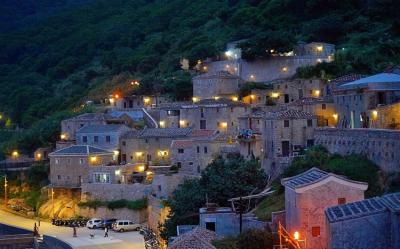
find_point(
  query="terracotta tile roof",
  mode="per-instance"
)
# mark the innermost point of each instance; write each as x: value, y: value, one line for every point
x: 203, y: 133
x: 198, y: 238
x: 290, y: 114
x: 181, y: 144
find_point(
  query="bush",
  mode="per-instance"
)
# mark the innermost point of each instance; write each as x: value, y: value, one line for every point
x: 249, y: 239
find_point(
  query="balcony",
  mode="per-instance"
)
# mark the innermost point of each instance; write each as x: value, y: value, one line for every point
x: 248, y: 136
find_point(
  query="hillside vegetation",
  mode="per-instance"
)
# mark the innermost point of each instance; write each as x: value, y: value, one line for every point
x: 92, y: 49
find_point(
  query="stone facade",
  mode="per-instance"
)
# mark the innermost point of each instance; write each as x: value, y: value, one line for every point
x: 139, y: 101
x: 224, y: 222
x: 380, y: 146
x: 70, y: 170
x: 99, y: 191
x: 216, y: 84
x: 323, y: 109
x: 104, y: 136
x: 221, y: 115
x: 139, y: 216
x: 308, y: 195
x: 287, y: 134
x: 70, y: 126
x: 151, y: 146
x: 368, y: 224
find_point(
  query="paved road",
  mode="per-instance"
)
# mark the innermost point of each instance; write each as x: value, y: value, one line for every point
x: 127, y: 240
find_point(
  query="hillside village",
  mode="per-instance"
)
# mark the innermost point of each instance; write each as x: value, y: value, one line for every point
x: 138, y: 147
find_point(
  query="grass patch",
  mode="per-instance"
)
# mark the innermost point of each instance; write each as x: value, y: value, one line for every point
x: 273, y: 203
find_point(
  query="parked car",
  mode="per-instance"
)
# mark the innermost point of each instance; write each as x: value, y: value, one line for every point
x: 93, y: 223
x: 125, y: 225
x: 107, y: 223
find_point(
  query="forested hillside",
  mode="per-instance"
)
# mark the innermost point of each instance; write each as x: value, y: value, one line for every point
x: 83, y: 52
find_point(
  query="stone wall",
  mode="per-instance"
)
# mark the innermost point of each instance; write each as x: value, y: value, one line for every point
x: 99, y: 191
x: 380, y: 146
x: 369, y: 232
x: 137, y: 216
x: 265, y: 70
x: 157, y: 214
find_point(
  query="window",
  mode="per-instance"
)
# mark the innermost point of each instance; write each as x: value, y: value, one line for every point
x: 123, y: 143
x: 95, y: 139
x: 108, y: 139
x: 58, y: 177
x: 84, y: 139
x: 341, y: 201
x: 316, y: 231
x: 205, y: 150
x: 203, y: 125
x: 198, y: 149
x: 159, y: 188
x: 146, y: 141
x: 102, y: 177
x: 210, y: 226
x: 309, y: 123
x: 57, y: 161
x: 80, y: 160
x: 179, y: 165
x: 285, y: 123
x: 180, y: 151
x: 323, y: 106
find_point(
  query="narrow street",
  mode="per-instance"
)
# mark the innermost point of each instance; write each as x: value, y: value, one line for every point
x: 127, y: 240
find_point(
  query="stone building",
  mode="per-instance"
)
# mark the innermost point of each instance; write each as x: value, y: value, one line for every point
x: 198, y: 238
x: 150, y: 146
x: 307, y: 196
x: 366, y: 102
x: 322, y: 108
x: 139, y: 101
x: 369, y: 224
x: 378, y: 145
x: 287, y: 134
x: 278, y: 66
x: 104, y: 136
x: 193, y: 154
x: 69, y: 167
x: 220, y: 84
x: 250, y: 135
x: 70, y: 126
x: 210, y: 114
x: 287, y: 91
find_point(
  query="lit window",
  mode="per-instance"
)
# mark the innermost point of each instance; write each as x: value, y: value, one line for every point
x: 102, y: 177
x: 316, y: 231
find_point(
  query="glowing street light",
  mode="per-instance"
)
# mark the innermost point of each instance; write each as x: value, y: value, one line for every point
x: 15, y: 154
x: 296, y: 235
x: 5, y: 190
x: 135, y: 83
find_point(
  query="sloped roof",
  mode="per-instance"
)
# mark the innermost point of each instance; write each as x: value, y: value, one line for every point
x: 312, y: 176
x: 355, y: 209
x: 181, y: 144
x: 102, y: 128
x: 214, y: 103
x: 392, y: 201
x: 389, y: 202
x: 306, y: 101
x: 131, y: 134
x: 374, y: 79
x: 80, y: 150
x: 203, y: 133
x: 165, y: 132
x: 290, y: 114
x: 346, y: 78
x: 198, y: 238
x: 90, y: 116
x: 217, y: 74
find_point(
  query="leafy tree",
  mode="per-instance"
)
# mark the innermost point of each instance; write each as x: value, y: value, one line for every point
x: 221, y: 180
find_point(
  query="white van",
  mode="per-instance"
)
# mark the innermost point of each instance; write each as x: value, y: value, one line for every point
x: 94, y: 223
x: 125, y: 225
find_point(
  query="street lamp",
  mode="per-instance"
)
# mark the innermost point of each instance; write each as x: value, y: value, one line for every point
x: 5, y: 190
x: 52, y: 201
x: 296, y: 237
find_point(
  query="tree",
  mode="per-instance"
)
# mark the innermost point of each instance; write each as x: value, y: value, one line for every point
x: 221, y: 180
